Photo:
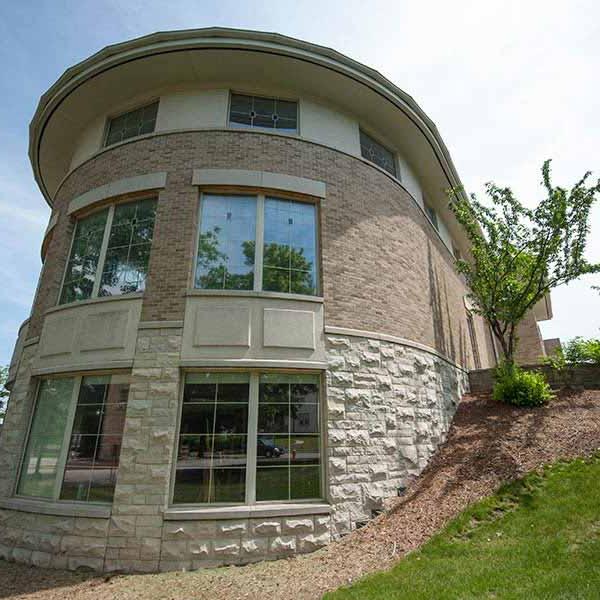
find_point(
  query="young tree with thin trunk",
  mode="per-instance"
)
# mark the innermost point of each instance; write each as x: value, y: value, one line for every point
x: 519, y: 254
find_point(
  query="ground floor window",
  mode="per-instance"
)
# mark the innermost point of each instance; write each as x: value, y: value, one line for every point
x: 247, y: 437
x: 74, y: 441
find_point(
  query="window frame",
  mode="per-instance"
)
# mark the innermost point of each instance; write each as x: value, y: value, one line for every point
x: 111, y: 206
x: 260, y: 195
x: 397, y: 173
x: 64, y: 454
x: 252, y: 437
x: 265, y: 97
x: 116, y: 115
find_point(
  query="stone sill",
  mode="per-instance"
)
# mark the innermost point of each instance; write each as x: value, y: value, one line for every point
x: 255, y: 294
x: 60, y: 509
x: 246, y: 512
x: 100, y: 299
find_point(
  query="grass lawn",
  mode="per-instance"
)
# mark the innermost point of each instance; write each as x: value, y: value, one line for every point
x: 536, y: 538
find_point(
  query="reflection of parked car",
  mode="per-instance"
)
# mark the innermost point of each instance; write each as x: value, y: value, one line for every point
x: 267, y: 449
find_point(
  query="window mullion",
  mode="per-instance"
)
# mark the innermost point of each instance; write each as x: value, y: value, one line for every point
x: 259, y: 244
x: 251, y: 440
x: 64, y: 453
x: 103, y: 248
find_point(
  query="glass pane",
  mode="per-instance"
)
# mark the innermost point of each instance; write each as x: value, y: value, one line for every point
x: 288, y: 435
x: 255, y: 111
x: 102, y: 485
x: 136, y: 122
x: 287, y: 109
x: 376, y: 153
x: 128, y: 252
x: 197, y: 418
x: 191, y: 485
x: 212, y: 449
x: 272, y: 450
x: 272, y: 483
x: 83, y: 261
x: 304, y: 450
x: 305, y: 482
x: 289, y: 247
x: 228, y: 485
x: 273, y: 418
x: 95, y: 444
x: 226, y: 243
x: 46, y: 437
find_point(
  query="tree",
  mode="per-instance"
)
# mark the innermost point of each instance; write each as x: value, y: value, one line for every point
x: 4, y: 393
x: 519, y: 254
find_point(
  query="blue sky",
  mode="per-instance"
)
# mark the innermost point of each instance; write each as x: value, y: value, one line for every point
x: 508, y: 84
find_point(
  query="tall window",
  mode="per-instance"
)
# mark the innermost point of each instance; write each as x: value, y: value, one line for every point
x: 257, y: 243
x: 247, y: 438
x: 75, y: 439
x: 131, y: 124
x: 263, y: 113
x: 110, y: 252
x: 377, y: 153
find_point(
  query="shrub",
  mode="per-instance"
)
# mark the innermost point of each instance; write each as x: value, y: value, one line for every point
x: 582, y: 351
x: 520, y: 388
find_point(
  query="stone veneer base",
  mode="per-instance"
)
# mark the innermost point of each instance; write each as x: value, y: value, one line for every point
x: 388, y: 407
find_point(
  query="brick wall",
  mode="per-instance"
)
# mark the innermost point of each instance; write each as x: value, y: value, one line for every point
x: 384, y: 269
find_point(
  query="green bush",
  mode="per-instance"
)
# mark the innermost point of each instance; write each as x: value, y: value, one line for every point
x: 582, y: 351
x: 520, y: 388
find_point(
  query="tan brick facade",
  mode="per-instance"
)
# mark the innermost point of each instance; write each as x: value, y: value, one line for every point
x: 384, y: 269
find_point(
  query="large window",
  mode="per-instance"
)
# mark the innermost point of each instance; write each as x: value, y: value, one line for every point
x: 131, y: 124
x: 377, y: 153
x: 257, y: 243
x: 75, y: 437
x: 247, y: 438
x: 263, y: 113
x: 110, y: 252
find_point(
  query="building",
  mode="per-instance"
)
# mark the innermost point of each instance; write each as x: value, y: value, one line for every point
x: 248, y: 332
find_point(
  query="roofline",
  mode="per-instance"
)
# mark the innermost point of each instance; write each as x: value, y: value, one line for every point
x: 228, y: 38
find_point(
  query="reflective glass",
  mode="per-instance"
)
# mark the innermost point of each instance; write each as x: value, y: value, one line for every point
x: 289, y: 254
x: 226, y: 243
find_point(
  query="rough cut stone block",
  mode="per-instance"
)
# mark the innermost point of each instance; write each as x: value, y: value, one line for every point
x: 266, y: 528
x: 298, y: 526
x: 283, y: 545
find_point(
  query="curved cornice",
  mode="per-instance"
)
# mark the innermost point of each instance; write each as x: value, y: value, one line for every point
x: 233, y: 39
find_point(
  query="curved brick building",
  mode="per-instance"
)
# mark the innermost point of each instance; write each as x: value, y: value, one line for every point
x: 248, y: 331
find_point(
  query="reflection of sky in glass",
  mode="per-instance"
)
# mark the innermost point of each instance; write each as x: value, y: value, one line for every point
x: 232, y: 222
x: 291, y: 225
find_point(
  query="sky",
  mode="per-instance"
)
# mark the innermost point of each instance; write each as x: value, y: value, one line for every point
x: 508, y: 84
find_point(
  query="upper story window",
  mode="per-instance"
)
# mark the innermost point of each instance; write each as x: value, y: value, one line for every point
x: 432, y: 216
x: 131, y: 124
x: 110, y: 252
x: 83, y: 464
x: 377, y: 153
x: 257, y: 243
x: 263, y: 113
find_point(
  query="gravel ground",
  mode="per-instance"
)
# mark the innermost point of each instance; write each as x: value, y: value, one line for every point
x: 488, y: 444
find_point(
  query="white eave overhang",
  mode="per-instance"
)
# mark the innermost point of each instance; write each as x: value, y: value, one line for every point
x: 187, y: 41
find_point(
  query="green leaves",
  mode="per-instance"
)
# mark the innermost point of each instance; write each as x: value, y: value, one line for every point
x: 519, y: 254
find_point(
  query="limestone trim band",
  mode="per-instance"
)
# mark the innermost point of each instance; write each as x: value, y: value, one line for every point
x: 384, y: 337
x: 255, y: 294
x: 128, y: 185
x: 246, y: 512
x: 109, y: 365
x: 260, y: 179
x: 249, y: 363
x: 60, y: 509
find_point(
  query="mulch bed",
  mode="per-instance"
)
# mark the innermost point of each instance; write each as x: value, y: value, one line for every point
x: 488, y: 444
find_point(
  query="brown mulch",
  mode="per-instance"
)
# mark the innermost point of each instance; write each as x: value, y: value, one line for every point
x: 488, y: 444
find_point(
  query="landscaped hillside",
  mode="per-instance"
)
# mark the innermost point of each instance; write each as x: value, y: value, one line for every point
x: 536, y: 538
x: 489, y: 444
